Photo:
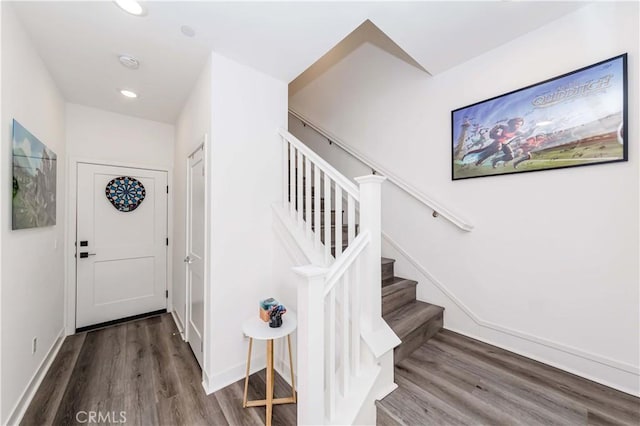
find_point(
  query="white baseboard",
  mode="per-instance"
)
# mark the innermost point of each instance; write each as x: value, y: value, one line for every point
x: 282, y: 368
x: 561, y: 366
x: 541, y: 341
x: 27, y: 396
x: 386, y: 391
x: 206, y: 383
x: 179, y: 323
x: 232, y: 375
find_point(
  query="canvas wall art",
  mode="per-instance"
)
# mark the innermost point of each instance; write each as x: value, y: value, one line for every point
x: 34, y: 181
x: 576, y: 119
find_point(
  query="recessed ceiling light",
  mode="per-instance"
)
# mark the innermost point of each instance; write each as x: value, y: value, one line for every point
x: 188, y: 31
x: 129, y: 62
x: 129, y: 93
x: 131, y: 6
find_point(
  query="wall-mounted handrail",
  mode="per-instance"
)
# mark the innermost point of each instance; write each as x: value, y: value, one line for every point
x: 438, y: 209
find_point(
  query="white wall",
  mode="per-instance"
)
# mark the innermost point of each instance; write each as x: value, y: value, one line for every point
x: 99, y: 135
x: 247, y: 109
x: 32, y: 259
x: 2, y: 167
x: 193, y: 123
x: 551, y: 268
x: 105, y: 137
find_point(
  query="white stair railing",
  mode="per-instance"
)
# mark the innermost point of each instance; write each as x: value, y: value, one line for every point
x: 311, y: 185
x: 339, y: 302
x: 330, y: 355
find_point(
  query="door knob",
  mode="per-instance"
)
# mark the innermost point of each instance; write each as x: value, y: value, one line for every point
x: 188, y: 260
x: 86, y: 254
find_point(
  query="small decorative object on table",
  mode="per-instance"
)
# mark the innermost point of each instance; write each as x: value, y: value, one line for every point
x: 265, y: 308
x: 275, y: 316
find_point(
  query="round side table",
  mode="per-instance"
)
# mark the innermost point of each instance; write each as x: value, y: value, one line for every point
x: 255, y: 328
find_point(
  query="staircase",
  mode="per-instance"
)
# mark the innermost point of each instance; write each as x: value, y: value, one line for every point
x: 356, y: 318
x: 344, y: 346
x: 413, y: 321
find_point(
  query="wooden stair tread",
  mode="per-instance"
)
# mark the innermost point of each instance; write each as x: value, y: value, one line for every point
x: 386, y: 260
x: 333, y: 226
x: 396, y: 284
x: 411, y: 316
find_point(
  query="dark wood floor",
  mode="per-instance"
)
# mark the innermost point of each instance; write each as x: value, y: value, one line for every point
x: 455, y: 380
x: 144, y: 369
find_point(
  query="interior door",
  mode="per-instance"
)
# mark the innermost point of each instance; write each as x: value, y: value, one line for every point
x: 195, y: 251
x: 121, y: 256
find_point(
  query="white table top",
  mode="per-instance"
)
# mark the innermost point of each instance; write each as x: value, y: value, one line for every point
x: 256, y: 328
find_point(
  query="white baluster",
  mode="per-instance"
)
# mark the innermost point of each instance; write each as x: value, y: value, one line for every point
x: 310, y: 354
x: 299, y: 199
x: 330, y: 363
x: 355, y: 316
x: 351, y: 219
x: 285, y: 172
x: 292, y: 181
x: 338, y: 228
x: 346, y: 344
x: 316, y: 202
x: 327, y: 218
x: 307, y: 204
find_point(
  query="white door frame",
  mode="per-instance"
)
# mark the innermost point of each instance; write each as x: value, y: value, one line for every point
x: 204, y: 145
x: 70, y: 248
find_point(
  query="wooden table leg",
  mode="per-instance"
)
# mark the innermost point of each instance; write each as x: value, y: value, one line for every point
x: 269, y: 381
x: 293, y: 383
x: 246, y: 379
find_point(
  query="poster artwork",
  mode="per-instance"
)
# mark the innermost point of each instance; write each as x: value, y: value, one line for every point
x: 577, y: 119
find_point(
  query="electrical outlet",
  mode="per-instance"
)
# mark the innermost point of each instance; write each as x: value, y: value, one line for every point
x: 34, y: 345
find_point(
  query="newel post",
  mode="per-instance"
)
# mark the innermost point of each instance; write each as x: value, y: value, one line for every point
x: 310, y: 355
x: 371, y: 220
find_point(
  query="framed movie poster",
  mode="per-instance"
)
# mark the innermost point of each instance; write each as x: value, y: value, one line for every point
x: 576, y: 119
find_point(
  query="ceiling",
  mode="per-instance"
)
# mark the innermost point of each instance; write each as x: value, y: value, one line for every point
x: 80, y: 41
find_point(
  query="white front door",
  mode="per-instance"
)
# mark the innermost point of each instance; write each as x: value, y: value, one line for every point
x: 121, y: 256
x: 195, y: 251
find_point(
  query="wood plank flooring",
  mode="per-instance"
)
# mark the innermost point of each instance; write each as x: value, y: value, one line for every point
x: 144, y: 369
x: 454, y: 380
